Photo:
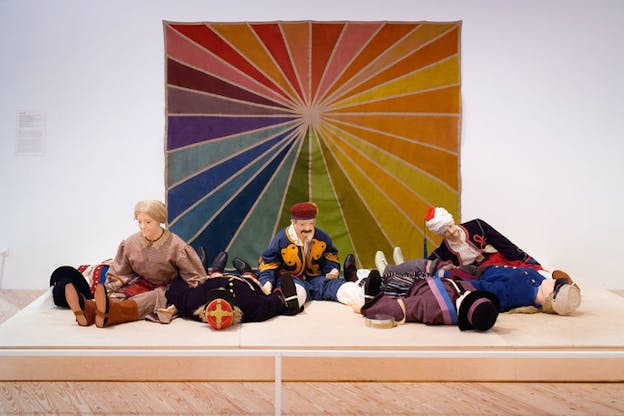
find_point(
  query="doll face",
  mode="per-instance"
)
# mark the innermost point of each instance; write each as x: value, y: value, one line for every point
x: 150, y: 228
x: 304, y: 229
x: 451, y: 232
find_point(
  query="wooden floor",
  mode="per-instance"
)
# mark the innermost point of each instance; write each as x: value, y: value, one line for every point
x: 311, y: 399
x: 299, y: 398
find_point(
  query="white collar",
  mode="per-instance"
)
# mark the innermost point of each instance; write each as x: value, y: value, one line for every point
x: 292, y: 235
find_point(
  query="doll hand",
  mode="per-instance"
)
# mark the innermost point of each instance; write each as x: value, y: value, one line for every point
x: 332, y: 275
x: 267, y: 287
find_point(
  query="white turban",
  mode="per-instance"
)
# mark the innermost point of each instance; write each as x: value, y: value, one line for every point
x: 438, y: 220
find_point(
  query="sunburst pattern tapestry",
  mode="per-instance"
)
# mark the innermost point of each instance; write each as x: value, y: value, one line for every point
x: 363, y: 118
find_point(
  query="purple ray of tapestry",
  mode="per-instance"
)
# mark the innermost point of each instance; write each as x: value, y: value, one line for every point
x: 183, y: 131
x: 193, y: 102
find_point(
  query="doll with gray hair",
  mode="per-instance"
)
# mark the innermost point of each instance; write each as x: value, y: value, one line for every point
x: 138, y: 277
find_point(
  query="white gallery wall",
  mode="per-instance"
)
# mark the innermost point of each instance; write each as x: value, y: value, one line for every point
x: 542, y: 147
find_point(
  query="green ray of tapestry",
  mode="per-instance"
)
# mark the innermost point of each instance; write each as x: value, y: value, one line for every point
x: 363, y: 230
x: 297, y: 190
x: 330, y: 218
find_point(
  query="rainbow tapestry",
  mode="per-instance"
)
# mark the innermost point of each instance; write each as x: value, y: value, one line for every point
x: 363, y: 118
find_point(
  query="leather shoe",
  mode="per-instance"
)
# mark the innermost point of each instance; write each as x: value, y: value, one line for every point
x: 83, y: 309
x: 201, y: 252
x: 289, y: 291
x: 102, y: 306
x: 560, y: 274
x: 350, y: 271
x: 219, y: 262
x: 241, y: 266
x: 372, y: 287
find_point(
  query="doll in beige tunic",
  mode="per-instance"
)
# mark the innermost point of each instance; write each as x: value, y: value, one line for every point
x: 136, y: 282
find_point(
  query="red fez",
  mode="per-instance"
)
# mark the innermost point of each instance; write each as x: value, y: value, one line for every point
x: 303, y: 211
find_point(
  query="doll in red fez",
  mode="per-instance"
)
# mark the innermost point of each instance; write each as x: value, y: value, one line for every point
x: 309, y: 255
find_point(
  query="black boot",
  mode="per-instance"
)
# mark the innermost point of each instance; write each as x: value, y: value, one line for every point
x: 372, y: 287
x: 201, y: 252
x: 241, y: 266
x: 289, y: 291
x: 350, y: 271
x: 219, y: 262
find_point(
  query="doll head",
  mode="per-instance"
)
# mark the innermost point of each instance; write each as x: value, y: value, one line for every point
x: 438, y: 220
x: 153, y: 208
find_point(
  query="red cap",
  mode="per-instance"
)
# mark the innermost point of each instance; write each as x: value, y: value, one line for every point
x: 430, y: 213
x: 303, y: 211
x: 219, y: 314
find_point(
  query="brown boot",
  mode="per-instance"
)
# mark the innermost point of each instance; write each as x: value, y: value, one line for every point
x: 560, y: 274
x: 84, y: 309
x: 111, y: 313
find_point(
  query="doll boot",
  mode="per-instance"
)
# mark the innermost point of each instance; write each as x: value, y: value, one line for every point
x: 372, y: 285
x: 560, y: 274
x: 289, y: 293
x: 350, y: 269
x: 84, y: 309
x: 201, y: 252
x: 219, y: 262
x: 111, y: 313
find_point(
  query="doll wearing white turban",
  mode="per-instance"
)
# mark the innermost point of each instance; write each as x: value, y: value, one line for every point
x: 475, y: 245
x: 474, y: 242
x: 438, y: 220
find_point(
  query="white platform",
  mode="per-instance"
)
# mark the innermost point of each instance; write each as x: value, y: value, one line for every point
x: 326, y: 342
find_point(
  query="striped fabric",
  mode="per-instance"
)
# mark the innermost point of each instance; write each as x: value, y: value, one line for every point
x: 397, y: 285
x: 446, y: 304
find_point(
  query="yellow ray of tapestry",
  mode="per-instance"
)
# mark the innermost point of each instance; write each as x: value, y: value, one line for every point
x: 425, y: 187
x: 393, y: 189
x: 439, y: 50
x: 438, y: 131
x: 422, y: 35
x: 244, y: 40
x: 441, y: 101
x: 441, y: 74
x: 400, y: 226
x: 435, y: 162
